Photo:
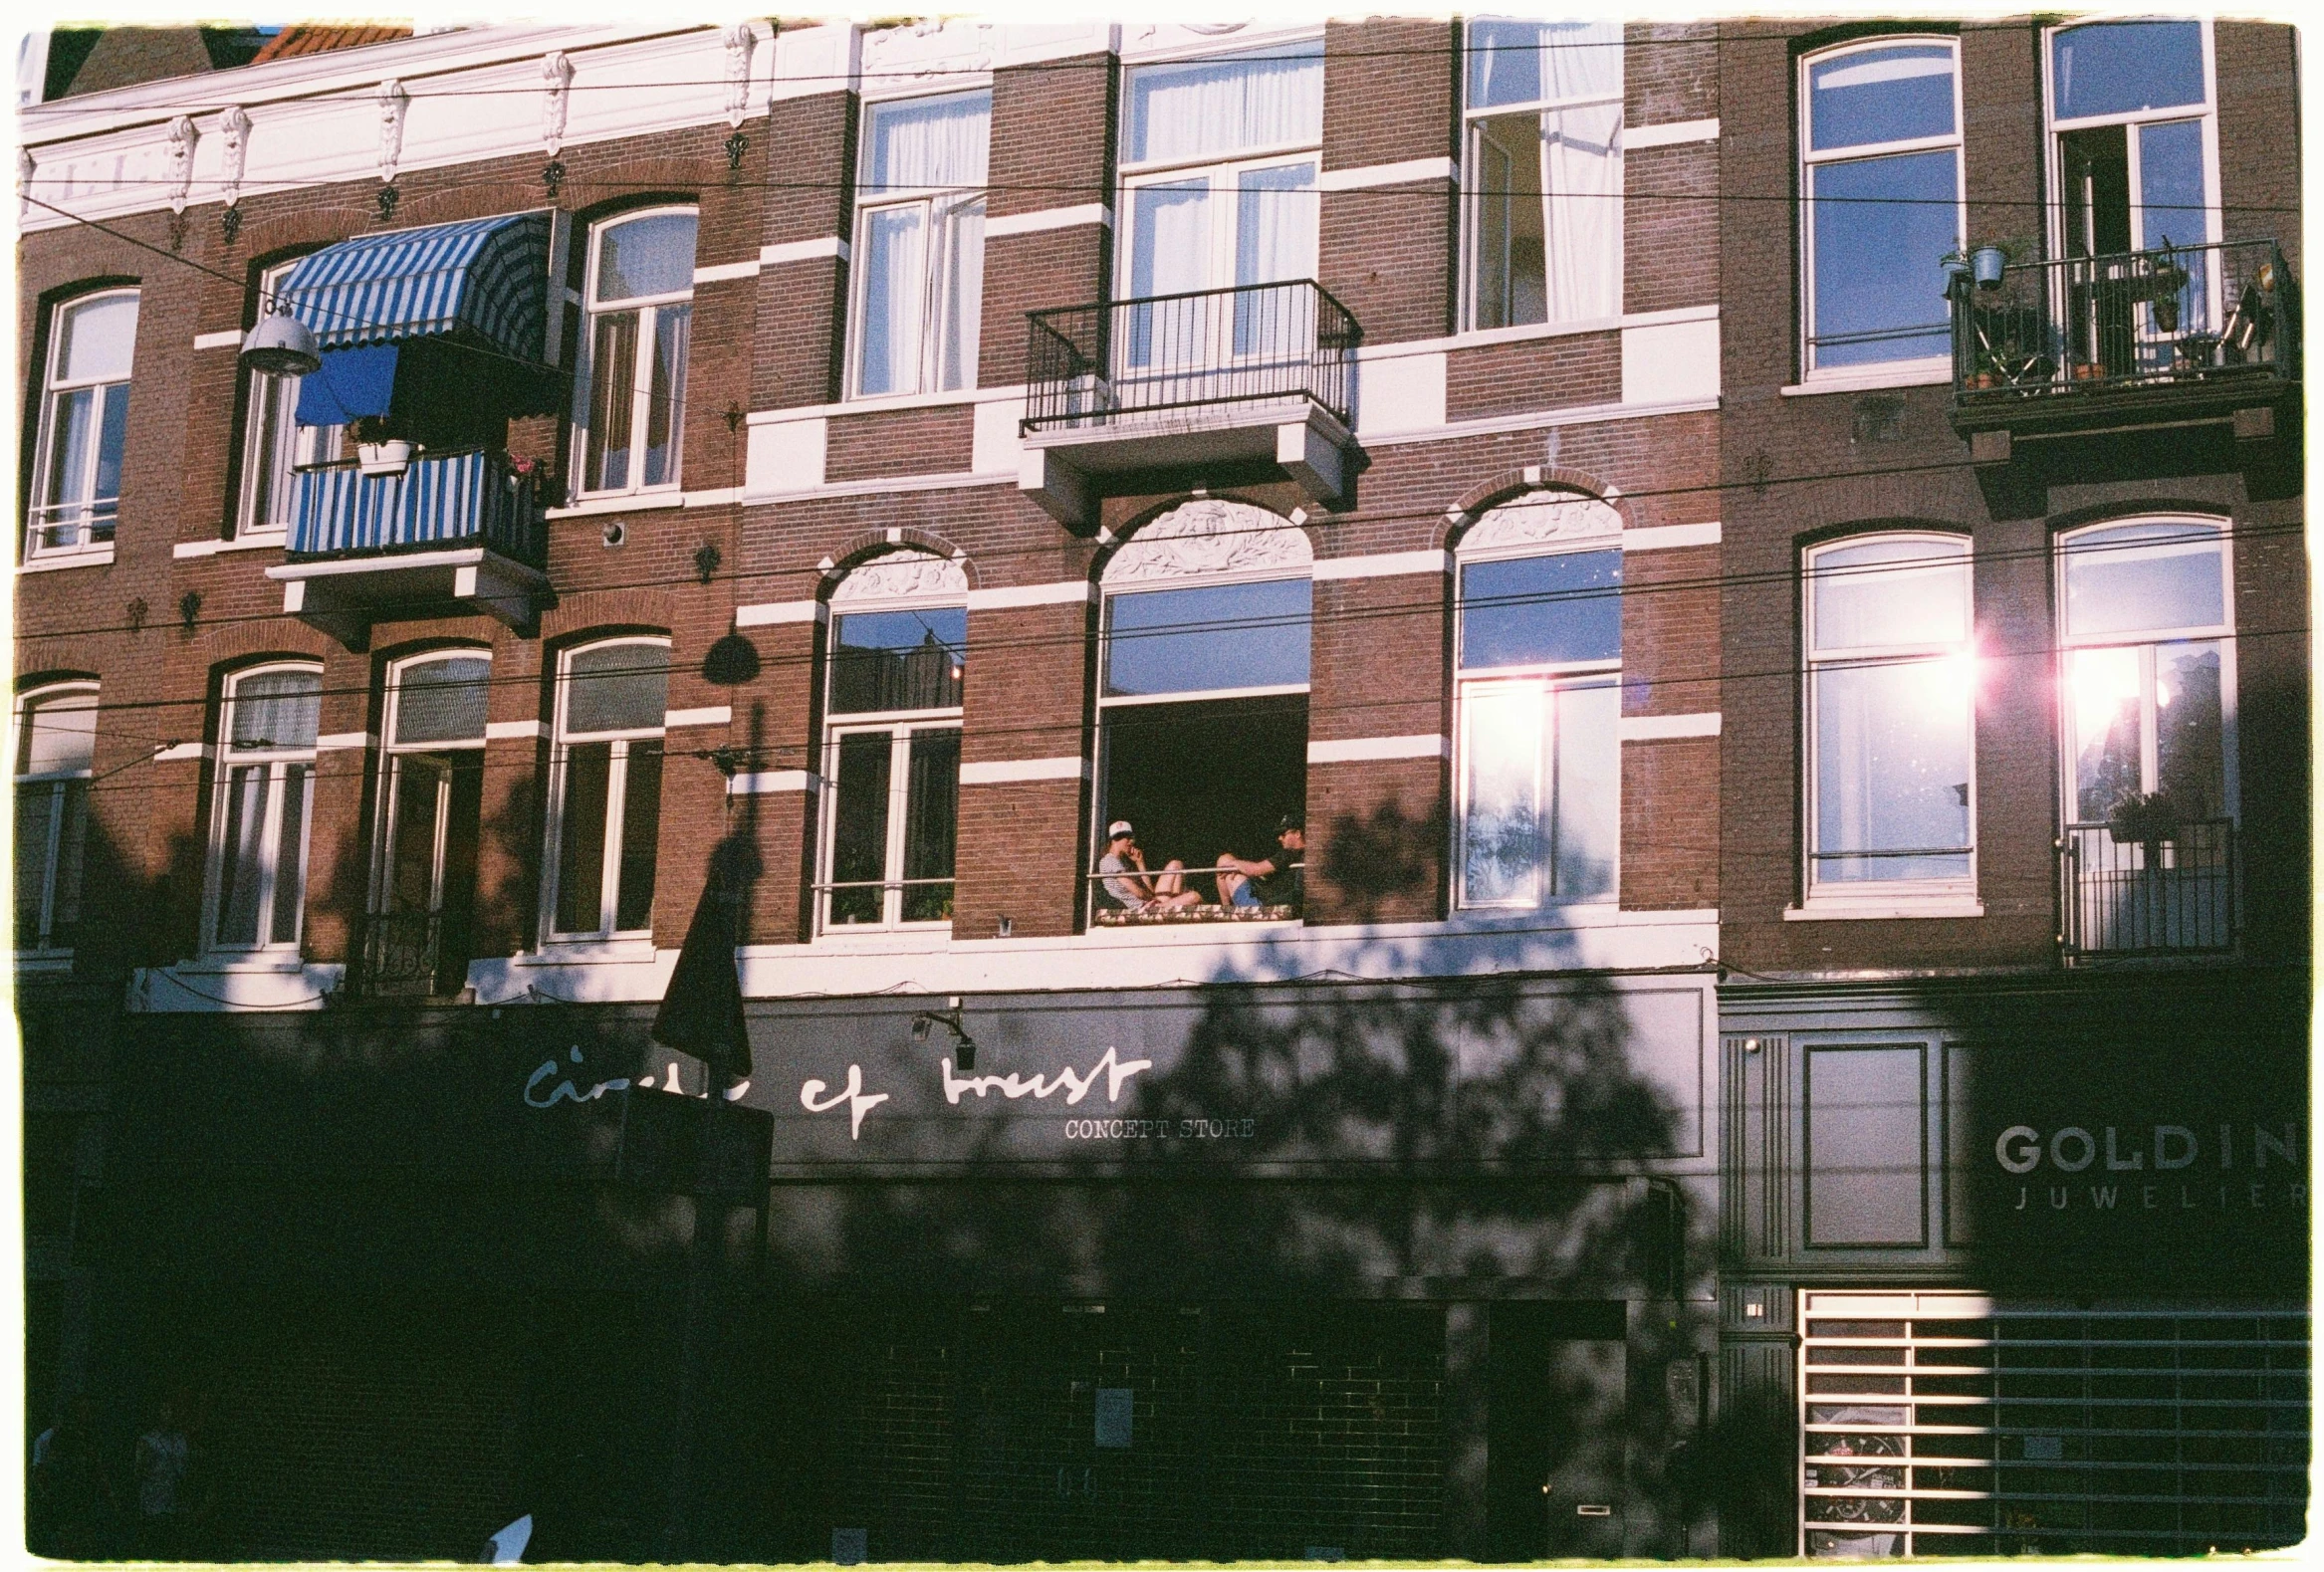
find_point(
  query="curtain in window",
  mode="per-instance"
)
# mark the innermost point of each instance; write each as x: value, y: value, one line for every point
x: 1525, y: 61
x: 277, y: 708
x: 894, y: 239
x: 963, y: 294
x: 1215, y: 107
x: 929, y: 142
x: 1582, y: 171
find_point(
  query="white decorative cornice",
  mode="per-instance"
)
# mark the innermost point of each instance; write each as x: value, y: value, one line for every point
x: 1544, y: 519
x: 182, y: 137
x: 557, y: 75
x: 24, y: 169
x: 912, y: 54
x: 740, y: 40
x: 393, y: 103
x: 903, y: 575
x: 234, y: 131
x: 1207, y: 538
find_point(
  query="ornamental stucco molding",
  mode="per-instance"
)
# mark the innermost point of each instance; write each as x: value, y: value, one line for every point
x: 234, y: 142
x: 183, y: 136
x: 1544, y: 519
x: 739, y: 40
x: 903, y: 575
x: 1207, y: 538
x: 557, y: 78
x: 394, y: 102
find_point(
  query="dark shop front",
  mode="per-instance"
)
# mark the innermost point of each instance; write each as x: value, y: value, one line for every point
x: 1361, y: 1270
x: 2024, y: 1268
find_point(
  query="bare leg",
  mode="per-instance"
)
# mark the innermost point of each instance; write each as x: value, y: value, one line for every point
x: 1172, y: 879
x: 1230, y: 880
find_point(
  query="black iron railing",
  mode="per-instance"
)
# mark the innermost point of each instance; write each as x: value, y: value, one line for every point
x: 1093, y: 365
x: 2175, y: 315
x: 401, y: 950
x: 2171, y: 895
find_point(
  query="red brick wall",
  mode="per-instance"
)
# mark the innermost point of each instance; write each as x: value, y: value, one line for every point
x: 1534, y: 373
x: 901, y: 442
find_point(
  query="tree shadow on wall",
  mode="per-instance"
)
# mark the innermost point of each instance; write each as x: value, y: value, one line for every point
x: 1287, y: 1262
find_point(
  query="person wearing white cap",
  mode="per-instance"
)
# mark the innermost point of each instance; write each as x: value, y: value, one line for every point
x: 1132, y: 887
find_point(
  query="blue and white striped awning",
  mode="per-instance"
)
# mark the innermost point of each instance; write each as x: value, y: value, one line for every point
x: 482, y: 277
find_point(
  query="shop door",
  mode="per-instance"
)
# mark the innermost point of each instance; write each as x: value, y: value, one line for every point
x: 1555, y: 1432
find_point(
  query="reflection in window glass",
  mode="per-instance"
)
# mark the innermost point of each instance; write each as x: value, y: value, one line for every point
x: 56, y: 747
x: 606, y: 778
x: 2144, y: 577
x: 1208, y: 640
x: 2120, y: 68
x: 1891, y: 698
x: 1535, y: 611
x: 899, y: 660
x: 632, y: 389
x: 1881, y: 204
x: 266, y: 766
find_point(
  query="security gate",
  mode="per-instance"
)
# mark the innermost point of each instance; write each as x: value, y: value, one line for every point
x: 1946, y: 1423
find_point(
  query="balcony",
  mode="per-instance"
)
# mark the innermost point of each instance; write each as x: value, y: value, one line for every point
x: 2183, y: 336
x: 1212, y: 386
x: 452, y: 531
x: 2174, y: 895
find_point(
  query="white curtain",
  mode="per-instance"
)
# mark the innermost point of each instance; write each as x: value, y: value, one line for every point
x: 1512, y: 62
x: 924, y: 142
x: 963, y: 287
x: 894, y: 276
x: 1274, y: 232
x: 1207, y: 108
x: 1581, y: 184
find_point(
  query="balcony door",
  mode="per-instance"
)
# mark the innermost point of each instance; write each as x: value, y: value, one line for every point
x: 417, y: 933
x: 1219, y: 194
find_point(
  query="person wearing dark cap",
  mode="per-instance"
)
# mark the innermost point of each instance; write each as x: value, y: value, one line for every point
x: 1272, y: 880
x: 1128, y: 882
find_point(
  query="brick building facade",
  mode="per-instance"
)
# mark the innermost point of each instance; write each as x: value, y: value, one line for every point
x: 895, y: 455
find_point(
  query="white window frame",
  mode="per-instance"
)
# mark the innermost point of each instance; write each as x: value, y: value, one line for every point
x: 2146, y: 641
x: 276, y: 762
x: 58, y: 784
x: 2055, y: 130
x: 1222, y: 174
x: 901, y: 726
x: 646, y: 308
x: 940, y: 210
x: 1472, y: 192
x: 616, y: 807
x: 1939, y: 364
x: 1544, y: 678
x: 1951, y: 892
x: 275, y: 450
x: 88, y: 541
x: 391, y: 777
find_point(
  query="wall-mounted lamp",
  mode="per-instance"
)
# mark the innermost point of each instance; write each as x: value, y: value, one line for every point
x: 949, y: 1019
x: 281, y: 346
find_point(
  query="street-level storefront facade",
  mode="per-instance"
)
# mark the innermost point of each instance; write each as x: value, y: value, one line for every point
x: 1198, y: 1272
x: 2021, y: 1269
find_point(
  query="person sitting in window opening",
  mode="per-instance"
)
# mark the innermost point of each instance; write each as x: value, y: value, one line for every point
x: 1272, y: 880
x: 1136, y: 889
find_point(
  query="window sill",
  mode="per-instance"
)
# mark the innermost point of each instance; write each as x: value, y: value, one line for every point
x: 45, y: 961
x: 1872, y: 381
x: 54, y: 561
x: 1825, y: 908
x: 252, y: 540
x: 873, y: 403
x: 623, y: 502
x: 221, y: 963
x: 868, y: 940
x: 591, y: 952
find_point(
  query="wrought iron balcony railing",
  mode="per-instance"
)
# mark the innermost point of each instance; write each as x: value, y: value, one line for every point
x: 469, y: 497
x: 1093, y: 365
x: 401, y: 952
x: 2177, y: 317
x: 2172, y: 895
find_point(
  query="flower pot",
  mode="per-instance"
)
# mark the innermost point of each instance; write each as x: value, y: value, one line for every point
x: 1956, y: 274
x: 2167, y: 314
x: 1986, y: 265
x: 383, y: 458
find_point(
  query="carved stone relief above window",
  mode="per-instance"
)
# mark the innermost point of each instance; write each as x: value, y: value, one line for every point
x: 1207, y: 537
x: 903, y: 575
x: 1540, y: 518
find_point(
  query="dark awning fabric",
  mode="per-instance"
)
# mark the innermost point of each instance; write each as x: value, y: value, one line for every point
x: 352, y: 382
x: 484, y: 279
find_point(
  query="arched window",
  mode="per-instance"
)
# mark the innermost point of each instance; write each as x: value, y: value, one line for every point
x: 631, y: 392
x: 1203, y: 706
x: 891, y: 742
x: 1881, y: 204
x: 1891, y: 718
x: 605, y: 787
x: 265, y: 798
x: 432, y: 795
x: 84, y: 425
x: 1539, y: 702
x: 55, y: 749
x: 2145, y: 622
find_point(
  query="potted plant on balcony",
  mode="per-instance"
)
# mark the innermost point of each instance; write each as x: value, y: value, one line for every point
x: 2147, y: 819
x: 378, y: 453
